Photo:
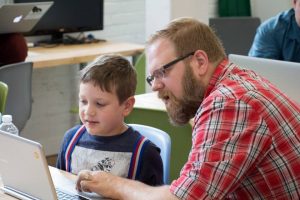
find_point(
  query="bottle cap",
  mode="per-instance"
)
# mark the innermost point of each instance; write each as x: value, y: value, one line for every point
x: 6, y: 118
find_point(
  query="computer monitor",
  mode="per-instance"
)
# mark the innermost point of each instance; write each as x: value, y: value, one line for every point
x: 68, y: 16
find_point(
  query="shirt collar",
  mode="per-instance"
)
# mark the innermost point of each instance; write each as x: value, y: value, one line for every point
x: 219, y: 73
x: 294, y: 29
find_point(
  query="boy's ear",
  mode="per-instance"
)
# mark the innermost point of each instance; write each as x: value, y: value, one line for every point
x: 128, y: 106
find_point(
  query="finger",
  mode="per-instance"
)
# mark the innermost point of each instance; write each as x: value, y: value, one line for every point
x: 82, y: 176
x: 85, y: 186
x: 87, y: 176
x: 78, y: 187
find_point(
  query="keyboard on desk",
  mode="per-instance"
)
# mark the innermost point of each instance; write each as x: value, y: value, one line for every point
x: 62, y: 195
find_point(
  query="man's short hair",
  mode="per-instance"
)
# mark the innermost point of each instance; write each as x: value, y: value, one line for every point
x: 188, y: 35
x: 112, y: 73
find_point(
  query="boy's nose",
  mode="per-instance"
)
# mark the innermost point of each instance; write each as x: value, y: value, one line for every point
x: 90, y: 110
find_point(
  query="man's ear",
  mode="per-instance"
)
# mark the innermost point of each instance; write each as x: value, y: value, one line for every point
x: 128, y: 106
x: 200, y: 62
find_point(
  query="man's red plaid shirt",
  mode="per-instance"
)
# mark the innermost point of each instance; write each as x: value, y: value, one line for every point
x: 246, y: 141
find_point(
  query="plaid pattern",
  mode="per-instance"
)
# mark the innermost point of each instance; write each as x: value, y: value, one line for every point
x: 246, y: 141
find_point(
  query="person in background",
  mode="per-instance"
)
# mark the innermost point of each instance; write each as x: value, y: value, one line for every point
x: 104, y: 142
x: 13, y: 48
x: 246, y: 133
x: 279, y: 37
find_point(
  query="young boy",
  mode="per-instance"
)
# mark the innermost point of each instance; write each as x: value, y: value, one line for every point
x: 103, y: 141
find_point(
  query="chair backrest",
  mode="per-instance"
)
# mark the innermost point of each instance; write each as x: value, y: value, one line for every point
x: 3, y: 96
x: 236, y: 33
x: 162, y: 140
x: 19, y: 99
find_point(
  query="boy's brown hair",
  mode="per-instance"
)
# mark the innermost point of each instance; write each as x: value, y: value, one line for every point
x: 112, y: 73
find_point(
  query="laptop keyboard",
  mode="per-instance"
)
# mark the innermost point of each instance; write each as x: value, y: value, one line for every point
x: 61, y: 195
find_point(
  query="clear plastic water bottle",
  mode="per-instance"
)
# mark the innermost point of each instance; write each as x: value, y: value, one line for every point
x: 8, y: 126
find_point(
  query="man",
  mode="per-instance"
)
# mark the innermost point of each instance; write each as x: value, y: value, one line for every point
x: 279, y: 37
x: 246, y: 136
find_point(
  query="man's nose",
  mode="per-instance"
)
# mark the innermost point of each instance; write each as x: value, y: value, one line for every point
x: 157, y: 84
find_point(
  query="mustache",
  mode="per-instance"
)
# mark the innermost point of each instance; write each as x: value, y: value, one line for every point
x: 164, y: 94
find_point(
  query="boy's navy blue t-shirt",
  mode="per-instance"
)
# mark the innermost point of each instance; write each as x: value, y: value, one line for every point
x: 112, y: 154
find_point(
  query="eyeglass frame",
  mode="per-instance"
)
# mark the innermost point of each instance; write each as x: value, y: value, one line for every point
x: 159, y: 73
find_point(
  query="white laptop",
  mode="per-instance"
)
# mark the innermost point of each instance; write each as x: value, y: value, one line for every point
x: 21, y: 17
x: 25, y: 172
x: 283, y: 74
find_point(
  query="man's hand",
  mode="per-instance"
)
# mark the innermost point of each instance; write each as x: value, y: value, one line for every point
x: 83, y: 177
x: 111, y: 186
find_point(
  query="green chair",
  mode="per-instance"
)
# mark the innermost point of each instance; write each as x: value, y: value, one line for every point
x: 140, y: 66
x: 3, y: 96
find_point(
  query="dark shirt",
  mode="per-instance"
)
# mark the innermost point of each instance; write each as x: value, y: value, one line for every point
x: 112, y: 154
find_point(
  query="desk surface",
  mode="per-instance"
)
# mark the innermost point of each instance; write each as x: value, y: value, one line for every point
x: 149, y: 101
x: 82, y: 53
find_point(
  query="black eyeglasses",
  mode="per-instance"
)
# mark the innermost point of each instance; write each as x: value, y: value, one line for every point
x: 160, y: 73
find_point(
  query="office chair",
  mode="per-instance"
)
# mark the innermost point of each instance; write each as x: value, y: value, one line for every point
x: 19, y: 99
x: 236, y: 33
x: 3, y: 96
x: 162, y: 140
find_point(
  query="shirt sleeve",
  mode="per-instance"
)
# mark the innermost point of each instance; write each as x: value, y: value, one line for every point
x: 151, y: 167
x: 267, y: 41
x: 229, y: 137
x: 60, y: 162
